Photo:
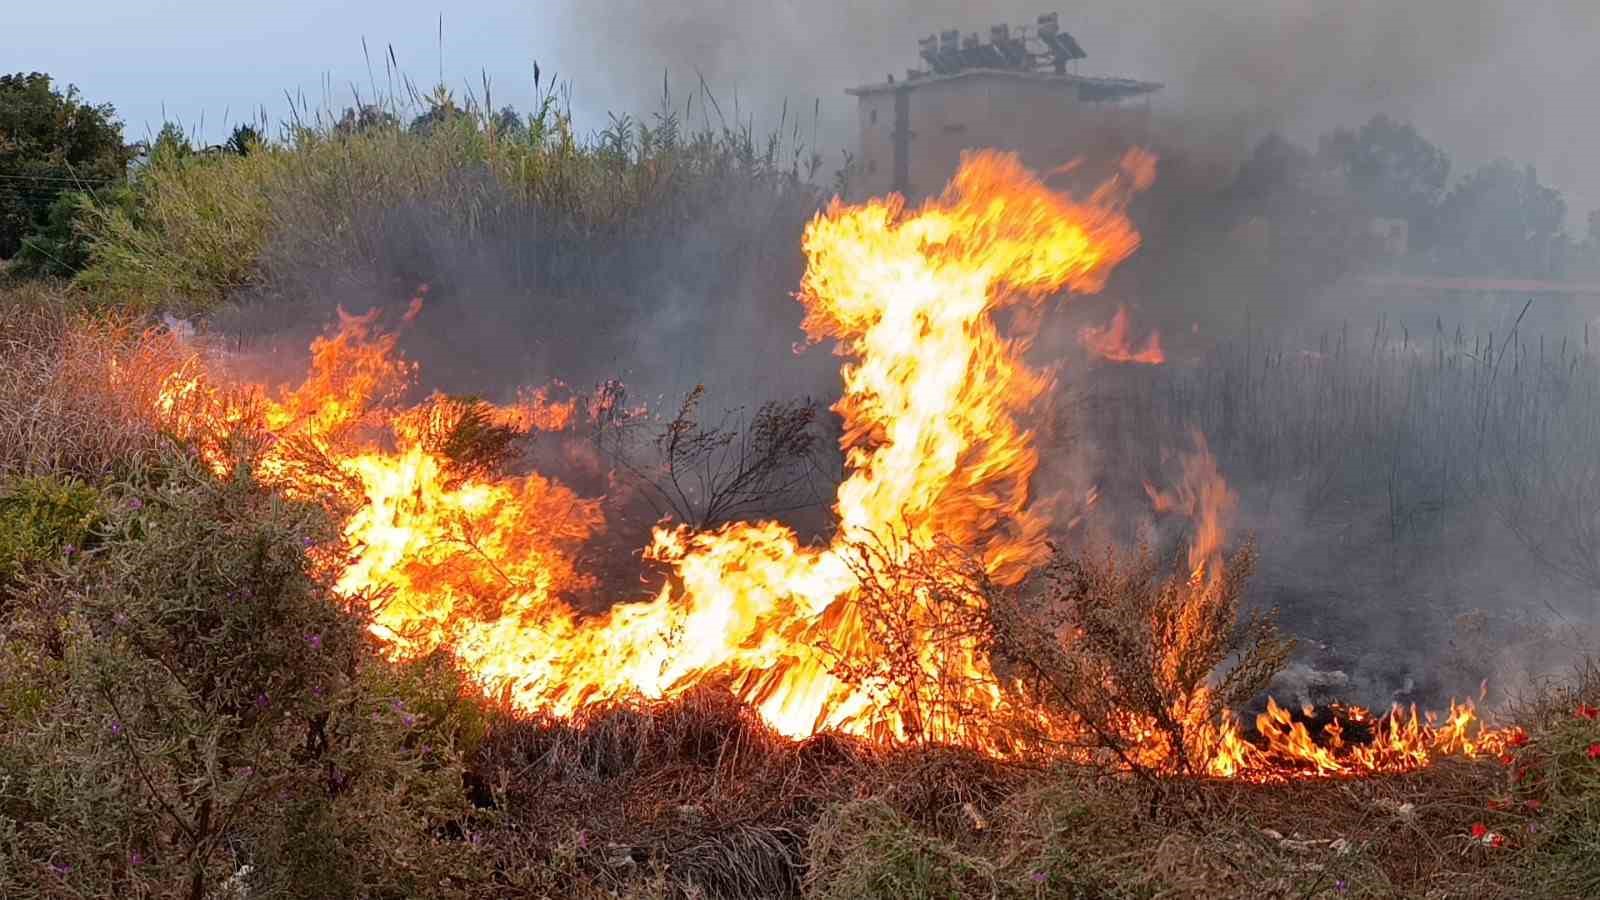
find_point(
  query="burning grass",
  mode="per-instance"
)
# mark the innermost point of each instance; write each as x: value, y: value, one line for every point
x: 315, y: 577
x: 692, y: 796
x: 657, y: 792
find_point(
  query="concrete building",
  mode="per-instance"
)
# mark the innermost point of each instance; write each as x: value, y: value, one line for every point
x: 1012, y: 93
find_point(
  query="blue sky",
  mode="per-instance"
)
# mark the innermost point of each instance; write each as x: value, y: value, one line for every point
x: 1481, y: 78
x: 210, y: 61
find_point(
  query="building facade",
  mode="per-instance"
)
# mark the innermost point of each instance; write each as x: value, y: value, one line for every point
x: 913, y: 132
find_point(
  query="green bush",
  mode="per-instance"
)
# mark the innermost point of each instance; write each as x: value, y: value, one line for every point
x: 205, y: 709
x: 39, y: 519
x: 343, y: 202
x: 190, y: 235
x: 1558, y: 769
x: 58, y: 248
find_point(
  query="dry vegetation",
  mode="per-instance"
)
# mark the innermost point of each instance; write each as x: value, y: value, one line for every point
x: 188, y: 709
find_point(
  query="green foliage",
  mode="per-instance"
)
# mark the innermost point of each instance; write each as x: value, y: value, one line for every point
x: 1501, y: 220
x: 1558, y: 769
x: 1394, y: 171
x: 50, y: 142
x: 170, y: 145
x: 244, y: 140
x: 59, y: 248
x: 211, y: 711
x: 333, y: 199
x: 190, y: 235
x: 40, y: 518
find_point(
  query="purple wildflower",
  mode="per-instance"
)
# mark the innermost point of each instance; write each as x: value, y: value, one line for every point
x: 262, y: 700
x: 1039, y: 877
x: 409, y: 720
x: 136, y: 504
x: 116, y: 728
x: 69, y: 550
x: 136, y: 858
x: 315, y: 640
x: 583, y: 840
x: 61, y: 869
x: 120, y: 618
x: 1341, y: 886
x: 308, y: 543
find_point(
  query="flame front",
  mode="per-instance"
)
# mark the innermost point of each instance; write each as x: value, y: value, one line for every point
x: 932, y: 442
x: 933, y: 402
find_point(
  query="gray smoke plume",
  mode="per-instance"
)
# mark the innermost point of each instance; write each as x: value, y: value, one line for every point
x: 1483, y: 78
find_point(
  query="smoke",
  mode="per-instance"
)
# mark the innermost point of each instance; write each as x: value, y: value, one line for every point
x: 1481, y: 78
x: 1381, y: 581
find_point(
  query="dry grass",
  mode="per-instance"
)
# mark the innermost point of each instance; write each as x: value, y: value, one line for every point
x: 695, y: 798
x: 75, y: 389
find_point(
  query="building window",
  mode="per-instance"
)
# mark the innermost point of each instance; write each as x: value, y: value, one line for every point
x: 873, y: 116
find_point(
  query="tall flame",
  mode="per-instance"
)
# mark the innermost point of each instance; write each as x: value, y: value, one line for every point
x: 933, y: 399
x: 932, y: 442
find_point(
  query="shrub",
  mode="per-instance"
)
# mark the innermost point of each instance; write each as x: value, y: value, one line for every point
x: 191, y: 234
x: 40, y: 517
x: 1556, y: 775
x: 78, y: 391
x: 1169, y: 651
x: 211, y: 711
x: 528, y: 211
x: 58, y: 247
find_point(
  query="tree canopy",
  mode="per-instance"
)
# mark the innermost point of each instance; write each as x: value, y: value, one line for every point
x: 51, y: 141
x: 1501, y: 220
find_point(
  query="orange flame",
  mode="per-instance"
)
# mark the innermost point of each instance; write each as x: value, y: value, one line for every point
x: 482, y: 564
x: 1111, y: 342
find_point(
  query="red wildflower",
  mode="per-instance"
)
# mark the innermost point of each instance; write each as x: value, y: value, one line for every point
x: 1479, y: 830
x: 1594, y: 750
x: 1507, y: 759
x: 1532, y: 805
x: 1585, y: 711
x: 1519, y: 738
x: 1497, y: 840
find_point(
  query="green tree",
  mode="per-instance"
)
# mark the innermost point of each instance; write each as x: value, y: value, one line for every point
x: 370, y: 117
x: 50, y: 142
x: 243, y: 141
x: 442, y: 108
x: 1392, y: 171
x: 1318, y: 229
x: 1501, y: 221
x: 171, y: 143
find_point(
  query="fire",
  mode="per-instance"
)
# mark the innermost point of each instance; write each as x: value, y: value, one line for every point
x: 1110, y: 342
x: 455, y: 554
x: 1399, y: 741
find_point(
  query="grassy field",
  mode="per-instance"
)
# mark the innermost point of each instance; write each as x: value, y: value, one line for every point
x: 188, y: 707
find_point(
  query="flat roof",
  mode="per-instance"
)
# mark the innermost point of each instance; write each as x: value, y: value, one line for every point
x: 1088, y: 87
